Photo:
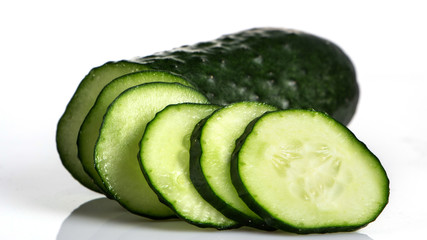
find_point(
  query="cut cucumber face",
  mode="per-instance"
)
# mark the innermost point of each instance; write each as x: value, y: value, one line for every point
x: 89, y: 130
x: 212, y: 144
x: 116, y: 151
x: 165, y: 161
x: 304, y: 172
x: 76, y: 111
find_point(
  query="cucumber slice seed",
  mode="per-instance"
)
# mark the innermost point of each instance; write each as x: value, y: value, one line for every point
x: 213, y: 142
x: 89, y: 131
x: 76, y: 111
x: 304, y: 172
x: 117, y: 147
x: 165, y: 162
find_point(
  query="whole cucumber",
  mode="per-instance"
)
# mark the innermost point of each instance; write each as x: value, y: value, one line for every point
x: 284, y: 68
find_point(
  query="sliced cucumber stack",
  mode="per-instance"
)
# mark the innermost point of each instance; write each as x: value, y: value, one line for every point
x: 117, y: 147
x: 89, y: 131
x: 304, y: 172
x: 165, y: 161
x: 212, y: 144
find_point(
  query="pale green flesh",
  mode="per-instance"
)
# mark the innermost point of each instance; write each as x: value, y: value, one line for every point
x: 118, y: 145
x: 218, y: 138
x: 89, y: 130
x: 165, y: 158
x: 77, y: 109
x: 310, y: 172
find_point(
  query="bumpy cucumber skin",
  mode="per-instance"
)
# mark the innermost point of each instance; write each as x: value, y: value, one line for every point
x: 283, y: 68
x: 67, y: 149
x: 197, y: 178
x: 257, y: 208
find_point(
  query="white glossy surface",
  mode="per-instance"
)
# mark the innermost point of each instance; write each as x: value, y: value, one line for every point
x: 46, y: 48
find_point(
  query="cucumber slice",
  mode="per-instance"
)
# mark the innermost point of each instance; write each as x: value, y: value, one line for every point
x: 212, y: 144
x: 89, y: 131
x: 165, y: 162
x: 304, y: 172
x: 117, y: 147
x: 76, y: 111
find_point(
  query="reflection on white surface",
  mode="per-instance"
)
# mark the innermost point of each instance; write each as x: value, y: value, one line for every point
x: 105, y: 219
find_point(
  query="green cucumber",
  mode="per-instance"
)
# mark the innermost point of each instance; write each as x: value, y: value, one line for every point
x: 76, y: 111
x: 89, y: 131
x: 212, y: 144
x: 165, y: 160
x: 304, y: 172
x: 117, y: 147
x: 283, y: 68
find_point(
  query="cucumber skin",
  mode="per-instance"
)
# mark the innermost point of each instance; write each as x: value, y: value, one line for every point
x: 283, y: 68
x: 196, y: 176
x: 257, y: 208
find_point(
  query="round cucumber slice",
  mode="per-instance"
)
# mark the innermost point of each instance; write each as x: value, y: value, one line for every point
x: 212, y: 144
x: 117, y: 147
x: 304, y: 172
x: 89, y: 131
x: 165, y: 161
x: 76, y: 111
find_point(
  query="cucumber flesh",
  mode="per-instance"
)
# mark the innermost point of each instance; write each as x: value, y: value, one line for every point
x: 89, y: 131
x: 212, y: 144
x: 304, y: 172
x: 117, y: 147
x: 165, y: 162
x: 76, y: 111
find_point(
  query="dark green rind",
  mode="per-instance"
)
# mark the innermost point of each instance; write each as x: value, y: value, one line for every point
x: 76, y: 111
x: 171, y: 206
x: 283, y: 68
x: 199, y: 182
x: 267, y: 216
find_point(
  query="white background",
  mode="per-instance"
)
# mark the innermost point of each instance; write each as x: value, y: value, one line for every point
x: 47, y: 47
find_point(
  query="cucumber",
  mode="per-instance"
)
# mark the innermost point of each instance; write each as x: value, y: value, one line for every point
x: 304, y: 172
x: 164, y: 158
x: 283, y: 68
x: 212, y: 144
x: 89, y: 131
x: 76, y: 111
x: 116, y: 150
